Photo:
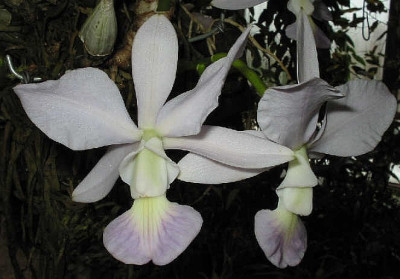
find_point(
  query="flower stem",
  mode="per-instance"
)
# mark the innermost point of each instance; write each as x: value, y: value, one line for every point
x: 251, y: 75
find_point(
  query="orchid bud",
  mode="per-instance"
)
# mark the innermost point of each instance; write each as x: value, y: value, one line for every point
x: 100, y: 29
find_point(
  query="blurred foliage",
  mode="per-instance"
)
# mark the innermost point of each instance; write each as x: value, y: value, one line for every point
x: 355, y: 226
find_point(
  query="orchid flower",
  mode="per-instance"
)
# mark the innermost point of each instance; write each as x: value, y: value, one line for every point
x: 357, y: 115
x: 83, y: 110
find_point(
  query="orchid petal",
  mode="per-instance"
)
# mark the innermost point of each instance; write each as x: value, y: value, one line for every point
x: 282, y: 236
x: 235, y: 4
x: 299, y: 173
x: 321, y: 40
x: 154, y: 62
x: 296, y: 200
x: 233, y: 148
x: 153, y: 229
x: 99, y: 182
x: 184, y: 115
x: 197, y: 169
x: 356, y: 123
x: 81, y: 110
x: 147, y: 170
x: 288, y: 115
x: 307, y: 58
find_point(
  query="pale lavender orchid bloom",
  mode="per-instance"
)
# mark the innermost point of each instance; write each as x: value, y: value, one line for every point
x: 358, y: 113
x: 84, y: 109
x: 316, y: 9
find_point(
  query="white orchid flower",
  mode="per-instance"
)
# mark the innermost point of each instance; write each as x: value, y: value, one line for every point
x: 83, y: 110
x: 357, y: 115
x: 316, y: 9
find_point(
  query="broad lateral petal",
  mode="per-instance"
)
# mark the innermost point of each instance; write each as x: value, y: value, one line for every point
x: 282, y: 236
x: 154, y: 62
x: 235, y: 4
x: 81, y: 110
x: 198, y: 169
x: 153, y: 229
x: 356, y: 123
x: 288, y: 115
x: 307, y: 58
x: 100, y: 180
x: 184, y: 115
x: 233, y: 148
x: 296, y: 200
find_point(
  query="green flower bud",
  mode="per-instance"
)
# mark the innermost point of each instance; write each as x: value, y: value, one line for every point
x: 99, y: 31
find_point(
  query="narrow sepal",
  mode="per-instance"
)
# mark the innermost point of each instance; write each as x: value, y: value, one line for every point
x: 198, y: 169
x: 233, y: 148
x: 185, y: 114
x: 99, y: 182
x: 154, y: 62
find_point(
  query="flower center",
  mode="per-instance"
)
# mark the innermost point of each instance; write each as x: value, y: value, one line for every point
x: 149, y: 134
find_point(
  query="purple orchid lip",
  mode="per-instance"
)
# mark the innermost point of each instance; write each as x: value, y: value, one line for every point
x: 281, y: 235
x: 153, y: 229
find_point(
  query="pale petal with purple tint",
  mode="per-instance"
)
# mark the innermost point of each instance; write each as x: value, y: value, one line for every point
x: 153, y: 229
x: 282, y: 236
x: 184, y: 115
x: 198, y: 169
x: 288, y: 115
x: 154, y: 62
x: 356, y: 123
x: 307, y: 56
x: 235, y: 4
x: 321, y: 40
x: 233, y: 148
x: 298, y: 200
x: 99, y: 182
x: 81, y: 110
